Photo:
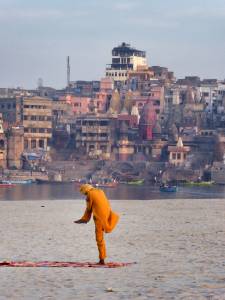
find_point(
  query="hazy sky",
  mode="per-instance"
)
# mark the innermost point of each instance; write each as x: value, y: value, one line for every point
x: 36, y: 36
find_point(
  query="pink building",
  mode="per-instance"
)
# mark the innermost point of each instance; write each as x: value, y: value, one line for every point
x: 106, y: 84
x: 100, y: 101
x: 155, y: 96
x: 80, y: 105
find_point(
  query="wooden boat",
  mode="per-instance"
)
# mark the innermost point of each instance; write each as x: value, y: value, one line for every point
x: 107, y: 184
x: 168, y: 188
x: 200, y: 183
x: 136, y: 182
x: 8, y: 184
x: 26, y: 181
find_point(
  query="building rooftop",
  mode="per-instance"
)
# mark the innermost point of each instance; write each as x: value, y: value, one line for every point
x: 126, y: 50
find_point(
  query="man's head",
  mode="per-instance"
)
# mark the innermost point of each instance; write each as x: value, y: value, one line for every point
x: 85, y: 188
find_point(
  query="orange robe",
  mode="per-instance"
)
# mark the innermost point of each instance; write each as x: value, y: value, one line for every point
x: 105, y: 219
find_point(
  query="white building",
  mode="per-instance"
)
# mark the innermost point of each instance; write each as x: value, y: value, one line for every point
x: 125, y: 59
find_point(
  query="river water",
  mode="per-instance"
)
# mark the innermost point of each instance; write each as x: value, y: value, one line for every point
x: 125, y: 192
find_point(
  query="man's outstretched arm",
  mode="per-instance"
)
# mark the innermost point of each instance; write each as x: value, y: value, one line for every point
x: 87, y: 214
x: 80, y: 221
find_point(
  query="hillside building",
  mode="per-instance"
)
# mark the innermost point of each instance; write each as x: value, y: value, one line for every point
x: 125, y: 59
x: 37, y: 122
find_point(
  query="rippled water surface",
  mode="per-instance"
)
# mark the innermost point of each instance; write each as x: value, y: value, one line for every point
x: 70, y: 191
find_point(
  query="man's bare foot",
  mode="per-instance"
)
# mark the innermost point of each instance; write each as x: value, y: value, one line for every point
x: 101, y: 262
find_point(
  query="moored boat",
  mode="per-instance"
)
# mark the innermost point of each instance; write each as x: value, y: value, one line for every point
x: 135, y: 182
x: 199, y: 183
x: 8, y: 184
x: 26, y: 181
x: 107, y: 184
x: 168, y: 188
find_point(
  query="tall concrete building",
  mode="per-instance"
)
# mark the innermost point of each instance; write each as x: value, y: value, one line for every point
x: 94, y: 133
x: 37, y: 122
x: 125, y: 59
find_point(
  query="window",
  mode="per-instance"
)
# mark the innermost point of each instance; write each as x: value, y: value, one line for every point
x: 115, y: 60
x: 174, y: 156
x: 33, y: 118
x: 156, y: 102
x: 103, y: 148
x: 103, y: 134
x: 25, y: 117
x: 2, y: 144
x: 26, y: 130
x: 41, y: 143
x: 25, y: 143
x: 9, y: 106
x: 104, y: 123
x: 41, y: 118
x: 33, y: 144
x: 33, y: 130
x: 178, y: 156
x: 41, y: 130
x: 49, y: 118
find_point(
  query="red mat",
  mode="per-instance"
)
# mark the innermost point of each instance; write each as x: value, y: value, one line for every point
x: 61, y: 264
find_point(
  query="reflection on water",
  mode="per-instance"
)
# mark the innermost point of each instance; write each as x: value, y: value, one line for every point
x: 127, y: 192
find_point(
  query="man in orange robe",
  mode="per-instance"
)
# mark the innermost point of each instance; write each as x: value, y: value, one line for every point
x: 105, y: 219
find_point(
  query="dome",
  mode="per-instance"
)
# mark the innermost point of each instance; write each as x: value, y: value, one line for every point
x: 128, y: 101
x: 115, y: 104
x: 180, y: 143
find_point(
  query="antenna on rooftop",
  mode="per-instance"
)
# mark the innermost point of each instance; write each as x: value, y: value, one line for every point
x: 68, y: 71
x: 40, y: 83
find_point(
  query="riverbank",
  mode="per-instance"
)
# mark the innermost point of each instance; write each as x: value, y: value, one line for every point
x: 178, y: 246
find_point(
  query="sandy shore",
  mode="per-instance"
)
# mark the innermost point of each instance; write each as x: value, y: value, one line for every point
x: 179, y: 247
